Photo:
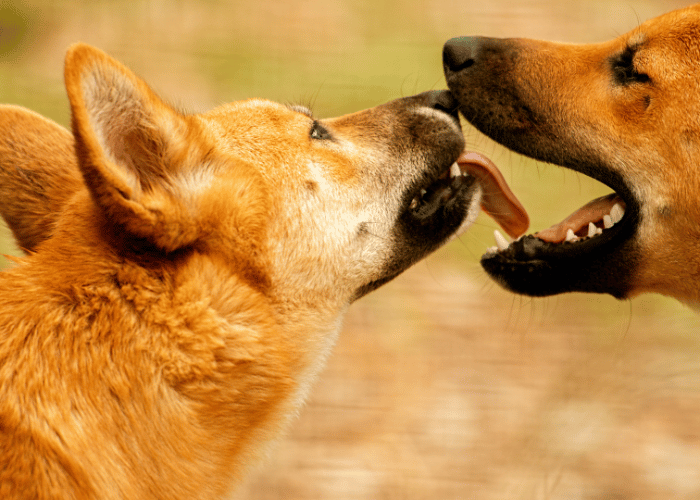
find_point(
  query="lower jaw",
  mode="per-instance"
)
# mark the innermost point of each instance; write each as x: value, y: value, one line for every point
x: 536, y: 268
x: 592, y: 250
x: 421, y: 237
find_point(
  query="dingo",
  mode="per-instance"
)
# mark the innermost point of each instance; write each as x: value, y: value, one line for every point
x: 625, y: 112
x: 187, y: 274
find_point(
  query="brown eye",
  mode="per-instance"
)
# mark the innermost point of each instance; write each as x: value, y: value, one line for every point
x: 319, y: 132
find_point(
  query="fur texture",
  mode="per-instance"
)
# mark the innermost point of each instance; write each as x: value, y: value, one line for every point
x: 187, y: 275
x: 626, y: 112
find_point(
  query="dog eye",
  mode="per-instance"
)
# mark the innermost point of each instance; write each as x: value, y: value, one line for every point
x: 624, y: 70
x: 319, y: 132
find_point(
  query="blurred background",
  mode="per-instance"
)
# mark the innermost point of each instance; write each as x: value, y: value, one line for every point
x: 442, y: 385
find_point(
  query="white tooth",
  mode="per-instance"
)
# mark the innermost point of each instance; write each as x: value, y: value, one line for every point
x: 607, y: 222
x: 454, y: 170
x: 591, y: 230
x: 422, y: 192
x: 570, y: 236
x: 492, y: 250
x: 501, y: 242
x: 414, y: 203
x: 616, y: 213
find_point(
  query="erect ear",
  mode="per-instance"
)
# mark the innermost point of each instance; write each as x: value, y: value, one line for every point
x: 135, y: 152
x: 38, y: 174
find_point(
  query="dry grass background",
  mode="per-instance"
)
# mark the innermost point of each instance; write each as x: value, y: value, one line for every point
x: 442, y: 385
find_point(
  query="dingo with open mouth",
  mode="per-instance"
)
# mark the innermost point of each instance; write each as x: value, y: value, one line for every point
x: 625, y: 112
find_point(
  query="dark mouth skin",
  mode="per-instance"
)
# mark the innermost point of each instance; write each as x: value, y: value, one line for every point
x: 428, y: 226
x: 433, y: 207
x: 439, y: 213
x: 489, y: 99
x: 531, y: 266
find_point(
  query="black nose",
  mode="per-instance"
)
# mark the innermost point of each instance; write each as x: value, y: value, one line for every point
x: 461, y: 52
x: 442, y: 100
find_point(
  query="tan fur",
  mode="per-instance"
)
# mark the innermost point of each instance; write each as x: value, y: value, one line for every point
x: 561, y: 103
x: 42, y: 156
x: 657, y: 150
x: 186, y: 278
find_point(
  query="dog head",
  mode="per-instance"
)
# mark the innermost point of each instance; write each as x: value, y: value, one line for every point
x: 323, y: 206
x: 189, y: 272
x: 304, y: 209
x: 624, y: 112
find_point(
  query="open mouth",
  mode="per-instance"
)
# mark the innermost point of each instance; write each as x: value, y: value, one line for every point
x: 438, y: 207
x: 435, y: 194
x: 503, y: 92
x: 582, y: 226
x: 470, y: 169
x: 591, y: 250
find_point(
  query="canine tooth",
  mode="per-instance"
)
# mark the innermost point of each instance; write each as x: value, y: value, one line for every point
x: 422, y: 192
x: 616, y: 213
x: 454, y: 170
x: 414, y: 203
x: 592, y: 229
x: 607, y: 222
x: 570, y: 236
x: 501, y: 242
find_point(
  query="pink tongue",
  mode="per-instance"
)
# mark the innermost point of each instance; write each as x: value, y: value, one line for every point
x: 497, y: 199
x: 593, y: 211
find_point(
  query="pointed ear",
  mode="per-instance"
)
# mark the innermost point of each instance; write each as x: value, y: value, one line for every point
x: 134, y: 150
x: 38, y: 174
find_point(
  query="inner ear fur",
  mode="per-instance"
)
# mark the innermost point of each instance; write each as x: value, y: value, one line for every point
x: 133, y: 149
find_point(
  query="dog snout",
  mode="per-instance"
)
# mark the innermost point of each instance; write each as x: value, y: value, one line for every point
x: 447, y: 106
x: 442, y: 100
x: 461, y: 53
